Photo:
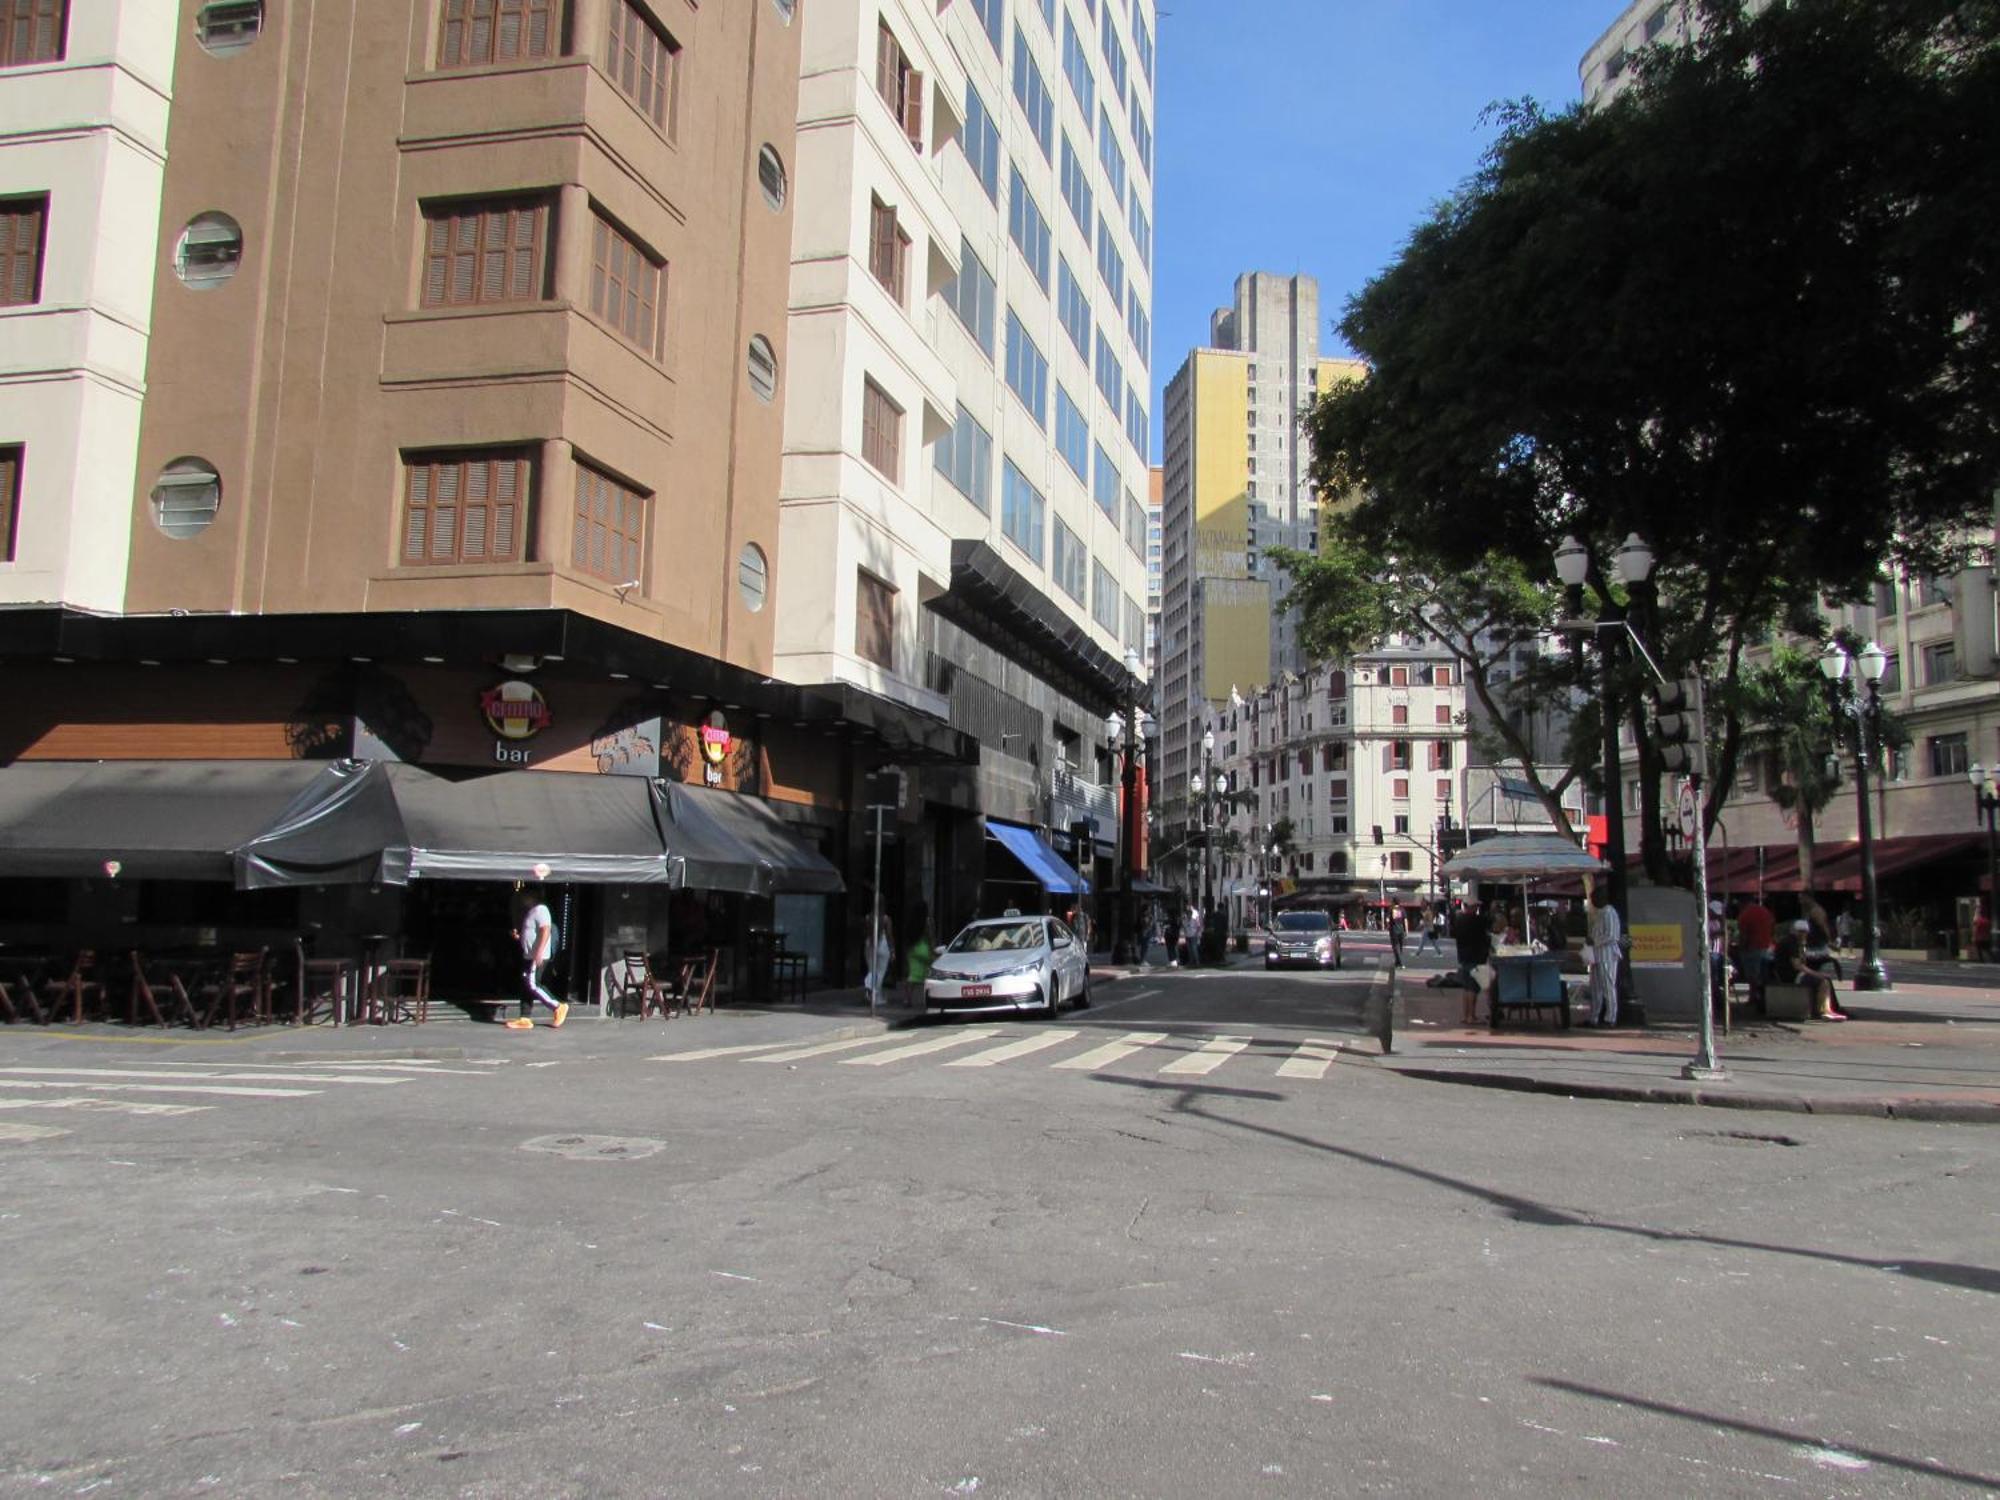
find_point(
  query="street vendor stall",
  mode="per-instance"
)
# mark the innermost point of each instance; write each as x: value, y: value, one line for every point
x: 1523, y: 978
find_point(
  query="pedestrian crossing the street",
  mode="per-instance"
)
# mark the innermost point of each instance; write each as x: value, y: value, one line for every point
x: 1167, y: 1054
x: 169, y: 1088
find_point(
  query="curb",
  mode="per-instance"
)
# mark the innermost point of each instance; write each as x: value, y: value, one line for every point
x: 1942, y: 1111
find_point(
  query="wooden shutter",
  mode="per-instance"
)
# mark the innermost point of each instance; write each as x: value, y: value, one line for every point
x: 913, y: 107
x: 465, y: 508
x: 31, y: 31
x: 477, y: 32
x: 874, y: 620
x: 888, y: 68
x: 10, y: 501
x: 21, y: 251
x: 484, y: 253
x: 609, y: 527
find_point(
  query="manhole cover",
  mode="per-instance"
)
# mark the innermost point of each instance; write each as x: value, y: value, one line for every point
x: 595, y: 1147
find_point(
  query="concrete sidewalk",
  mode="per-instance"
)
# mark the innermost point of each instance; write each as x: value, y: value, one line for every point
x: 1919, y: 1052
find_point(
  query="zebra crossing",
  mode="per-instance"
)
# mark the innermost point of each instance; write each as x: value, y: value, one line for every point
x: 165, y: 1088
x: 1167, y: 1054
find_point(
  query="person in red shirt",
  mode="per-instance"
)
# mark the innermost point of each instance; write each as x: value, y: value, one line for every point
x: 1756, y: 937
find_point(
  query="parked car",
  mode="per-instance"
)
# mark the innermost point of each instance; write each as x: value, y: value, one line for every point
x: 1010, y: 963
x: 1302, y: 937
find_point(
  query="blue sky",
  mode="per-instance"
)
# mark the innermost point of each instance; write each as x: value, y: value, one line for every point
x: 1312, y: 135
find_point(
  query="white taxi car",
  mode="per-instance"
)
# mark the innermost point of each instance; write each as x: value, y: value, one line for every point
x: 1010, y: 963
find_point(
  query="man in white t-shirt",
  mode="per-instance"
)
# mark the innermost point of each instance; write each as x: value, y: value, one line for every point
x: 537, y: 933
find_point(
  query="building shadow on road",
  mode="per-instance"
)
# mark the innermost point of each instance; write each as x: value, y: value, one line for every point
x: 1775, y: 1434
x: 1547, y: 1215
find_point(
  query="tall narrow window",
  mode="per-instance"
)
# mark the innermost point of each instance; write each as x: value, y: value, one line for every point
x: 484, y: 252
x: 31, y: 31
x: 874, y: 620
x: 972, y: 295
x: 476, y: 32
x: 625, y: 287
x: 900, y: 85
x: 881, y: 432
x: 609, y: 533
x: 644, y: 62
x: 21, y: 224
x: 888, y: 248
x: 465, y: 507
x: 10, y: 502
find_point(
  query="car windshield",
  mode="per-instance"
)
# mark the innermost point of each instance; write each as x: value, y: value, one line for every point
x: 997, y: 937
x: 1302, y: 921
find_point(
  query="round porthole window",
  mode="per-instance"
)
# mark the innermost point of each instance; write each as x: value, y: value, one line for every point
x: 771, y: 177
x: 763, y: 368
x: 186, y: 497
x: 208, y: 251
x: 786, y: 9
x: 753, y: 577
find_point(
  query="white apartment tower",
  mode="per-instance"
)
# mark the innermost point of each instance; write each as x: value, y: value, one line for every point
x: 963, y: 519
x: 84, y: 95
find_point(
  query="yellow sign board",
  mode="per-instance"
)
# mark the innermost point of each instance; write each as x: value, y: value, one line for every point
x: 1657, y: 945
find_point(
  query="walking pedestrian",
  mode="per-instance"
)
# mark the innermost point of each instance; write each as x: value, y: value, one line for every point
x: 535, y: 931
x: 1606, y: 933
x: 1432, y: 936
x: 1474, y: 940
x: 1174, y: 938
x: 1399, y: 927
x: 881, y: 956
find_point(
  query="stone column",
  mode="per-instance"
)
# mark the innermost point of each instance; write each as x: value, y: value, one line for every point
x: 555, y: 502
x: 573, y: 233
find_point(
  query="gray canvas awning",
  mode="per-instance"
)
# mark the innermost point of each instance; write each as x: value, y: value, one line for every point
x: 343, y: 829
x: 531, y: 825
x: 724, y: 841
x: 140, y: 820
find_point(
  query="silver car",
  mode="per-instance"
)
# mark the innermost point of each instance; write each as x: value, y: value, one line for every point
x: 1010, y: 963
x: 1302, y: 937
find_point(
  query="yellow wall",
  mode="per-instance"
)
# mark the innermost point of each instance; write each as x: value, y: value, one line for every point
x: 1236, y: 623
x: 1221, y: 464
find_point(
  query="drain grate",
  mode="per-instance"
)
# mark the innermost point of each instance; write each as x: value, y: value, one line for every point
x: 595, y: 1147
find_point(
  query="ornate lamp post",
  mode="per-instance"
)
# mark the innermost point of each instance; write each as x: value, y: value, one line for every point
x: 1864, y: 706
x: 1209, y: 787
x: 1986, y: 795
x: 1130, y: 733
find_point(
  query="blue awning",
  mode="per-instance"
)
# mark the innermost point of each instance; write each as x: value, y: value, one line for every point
x: 1031, y: 849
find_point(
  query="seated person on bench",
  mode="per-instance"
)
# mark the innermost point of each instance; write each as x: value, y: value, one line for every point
x: 1790, y: 967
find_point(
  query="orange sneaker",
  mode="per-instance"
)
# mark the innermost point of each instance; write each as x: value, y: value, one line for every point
x: 562, y: 1015
x: 520, y: 1023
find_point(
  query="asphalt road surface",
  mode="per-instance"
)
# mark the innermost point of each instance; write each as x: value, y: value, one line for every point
x: 1181, y: 1243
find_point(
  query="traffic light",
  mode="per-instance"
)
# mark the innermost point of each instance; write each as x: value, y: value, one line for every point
x: 1680, y: 727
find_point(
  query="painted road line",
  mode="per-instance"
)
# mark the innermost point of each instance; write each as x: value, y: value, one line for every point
x: 1311, y: 1060
x: 159, y: 1088
x: 19, y: 1133
x: 232, y: 1076
x: 919, y: 1049
x: 106, y: 1106
x: 821, y: 1050
x: 1209, y: 1058
x: 1110, y: 1052
x: 1011, y: 1050
x: 738, y: 1051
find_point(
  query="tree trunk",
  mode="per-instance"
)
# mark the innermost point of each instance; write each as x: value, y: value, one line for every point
x: 1805, y: 852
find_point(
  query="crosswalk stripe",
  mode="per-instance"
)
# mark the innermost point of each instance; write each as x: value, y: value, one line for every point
x: 159, y: 1088
x: 231, y: 1076
x: 1209, y: 1058
x: 106, y: 1106
x: 1011, y: 1050
x: 703, y: 1052
x: 1311, y: 1060
x: 821, y: 1050
x: 1110, y: 1052
x: 918, y: 1049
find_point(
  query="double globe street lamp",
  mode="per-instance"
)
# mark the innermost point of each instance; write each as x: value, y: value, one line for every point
x: 1863, y: 705
x: 1210, y: 787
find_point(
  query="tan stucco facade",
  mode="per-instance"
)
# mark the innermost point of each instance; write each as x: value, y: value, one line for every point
x: 308, y: 376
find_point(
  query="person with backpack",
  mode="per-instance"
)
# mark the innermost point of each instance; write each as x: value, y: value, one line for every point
x: 536, y: 932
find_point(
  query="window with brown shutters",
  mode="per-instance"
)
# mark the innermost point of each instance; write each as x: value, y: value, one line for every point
x: 888, y: 248
x: 32, y: 31
x: 625, y: 287
x: 874, y: 620
x: 644, y: 62
x: 900, y: 85
x: 608, y: 538
x: 10, y: 501
x: 1399, y: 713
x: 21, y: 224
x: 881, y: 431
x: 466, y: 507
x: 476, y: 32
x: 485, y: 252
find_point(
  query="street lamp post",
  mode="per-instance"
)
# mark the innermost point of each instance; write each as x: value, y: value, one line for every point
x: 1986, y: 794
x: 1864, y: 706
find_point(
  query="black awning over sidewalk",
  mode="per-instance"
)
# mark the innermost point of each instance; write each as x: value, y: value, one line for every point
x: 737, y: 843
x: 140, y: 820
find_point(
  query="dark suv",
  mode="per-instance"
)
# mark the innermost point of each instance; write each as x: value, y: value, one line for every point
x: 1302, y: 937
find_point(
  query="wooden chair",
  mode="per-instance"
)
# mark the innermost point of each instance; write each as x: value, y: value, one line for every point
x: 80, y: 987
x: 150, y: 993
x: 242, y: 988
x: 637, y: 981
x: 27, y: 988
x: 322, y: 987
x: 696, y: 983
x: 403, y: 990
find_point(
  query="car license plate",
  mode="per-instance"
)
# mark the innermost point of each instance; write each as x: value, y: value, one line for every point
x: 976, y: 991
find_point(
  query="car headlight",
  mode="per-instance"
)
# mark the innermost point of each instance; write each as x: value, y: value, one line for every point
x: 1018, y: 970
x: 1325, y: 945
x: 937, y: 973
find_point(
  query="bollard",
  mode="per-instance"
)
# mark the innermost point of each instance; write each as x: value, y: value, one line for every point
x: 1381, y: 1014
